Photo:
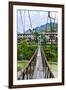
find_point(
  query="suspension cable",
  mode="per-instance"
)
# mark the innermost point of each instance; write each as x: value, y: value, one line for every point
x: 22, y: 21
x: 29, y: 19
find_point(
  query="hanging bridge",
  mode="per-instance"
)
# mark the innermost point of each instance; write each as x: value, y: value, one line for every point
x: 37, y: 68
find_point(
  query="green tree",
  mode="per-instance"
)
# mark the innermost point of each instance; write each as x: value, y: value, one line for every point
x: 36, y: 35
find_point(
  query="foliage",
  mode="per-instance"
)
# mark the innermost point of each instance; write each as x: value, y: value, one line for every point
x: 51, y: 52
x: 36, y: 36
x: 24, y: 50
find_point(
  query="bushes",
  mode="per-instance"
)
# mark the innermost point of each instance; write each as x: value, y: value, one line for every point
x: 25, y: 51
x: 51, y: 54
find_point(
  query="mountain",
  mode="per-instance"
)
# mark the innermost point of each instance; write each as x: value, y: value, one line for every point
x: 29, y: 31
x: 43, y: 28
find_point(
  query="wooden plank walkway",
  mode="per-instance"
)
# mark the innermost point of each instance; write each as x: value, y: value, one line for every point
x: 38, y: 72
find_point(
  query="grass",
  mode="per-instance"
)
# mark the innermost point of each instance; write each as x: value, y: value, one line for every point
x: 21, y: 64
x: 54, y: 68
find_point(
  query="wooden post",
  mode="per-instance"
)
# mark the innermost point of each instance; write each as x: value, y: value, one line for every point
x: 23, y: 75
x: 32, y: 67
x: 26, y: 73
x: 30, y: 70
x: 47, y: 72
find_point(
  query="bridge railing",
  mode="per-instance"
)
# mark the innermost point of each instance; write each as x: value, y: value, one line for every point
x: 46, y: 69
x: 27, y: 73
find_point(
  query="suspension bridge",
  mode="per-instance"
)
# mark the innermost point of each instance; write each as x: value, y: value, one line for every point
x: 37, y: 67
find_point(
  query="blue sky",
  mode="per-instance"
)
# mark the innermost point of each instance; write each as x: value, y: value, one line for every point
x: 38, y: 18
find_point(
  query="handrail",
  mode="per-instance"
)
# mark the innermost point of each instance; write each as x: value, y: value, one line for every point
x: 45, y: 64
x: 24, y: 74
x: 30, y: 61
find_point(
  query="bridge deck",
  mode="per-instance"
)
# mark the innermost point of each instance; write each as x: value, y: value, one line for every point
x: 38, y: 72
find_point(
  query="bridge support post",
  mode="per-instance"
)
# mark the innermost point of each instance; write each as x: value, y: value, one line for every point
x: 27, y: 73
x: 23, y: 75
x: 30, y: 71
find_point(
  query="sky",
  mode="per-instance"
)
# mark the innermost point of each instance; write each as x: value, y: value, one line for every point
x: 37, y: 18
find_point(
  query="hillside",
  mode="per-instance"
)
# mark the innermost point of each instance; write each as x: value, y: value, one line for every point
x: 44, y: 28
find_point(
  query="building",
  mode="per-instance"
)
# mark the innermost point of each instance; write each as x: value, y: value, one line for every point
x: 27, y: 36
